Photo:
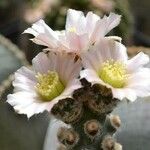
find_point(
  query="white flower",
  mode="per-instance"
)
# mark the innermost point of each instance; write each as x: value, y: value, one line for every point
x: 54, y: 77
x: 107, y: 64
x: 80, y: 31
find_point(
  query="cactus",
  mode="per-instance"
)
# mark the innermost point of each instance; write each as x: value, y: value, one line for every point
x: 88, y: 113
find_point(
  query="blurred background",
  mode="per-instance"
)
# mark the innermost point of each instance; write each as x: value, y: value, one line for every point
x: 16, y: 132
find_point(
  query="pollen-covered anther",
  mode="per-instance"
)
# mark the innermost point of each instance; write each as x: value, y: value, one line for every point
x: 92, y: 128
x: 49, y: 85
x: 68, y: 137
x: 115, y: 121
x: 113, y: 73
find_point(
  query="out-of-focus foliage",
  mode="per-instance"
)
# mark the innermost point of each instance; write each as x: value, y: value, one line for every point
x: 3, y: 3
x: 32, y: 3
x: 125, y: 29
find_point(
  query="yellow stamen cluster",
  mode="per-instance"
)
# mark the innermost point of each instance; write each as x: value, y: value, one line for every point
x: 49, y: 85
x: 72, y: 29
x: 113, y: 73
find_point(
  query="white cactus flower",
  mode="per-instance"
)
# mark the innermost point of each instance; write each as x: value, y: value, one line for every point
x: 80, y: 31
x: 107, y: 63
x: 54, y: 77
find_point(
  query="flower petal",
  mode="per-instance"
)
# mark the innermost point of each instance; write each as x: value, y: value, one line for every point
x: 121, y: 93
x: 30, y: 103
x: 91, y: 76
x: 43, y: 34
x: 41, y: 63
x: 26, y: 103
x: 91, y: 20
x: 75, y: 19
x: 140, y: 82
x: 104, y: 25
x: 77, y: 43
x: 137, y: 61
x: 71, y: 87
x: 24, y: 80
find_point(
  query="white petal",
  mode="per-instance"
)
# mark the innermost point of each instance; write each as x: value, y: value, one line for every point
x: 91, y: 20
x: 130, y: 94
x: 140, y: 82
x: 119, y: 52
x: 43, y: 34
x: 31, y: 31
x: 118, y: 93
x: 24, y: 80
x: 29, y: 103
x: 137, y: 61
x: 78, y: 43
x: 140, y: 77
x: 121, y: 93
x: 21, y: 101
x: 41, y: 63
x: 115, y: 38
x: 112, y: 21
x: 71, y: 87
x: 74, y: 19
x: 43, y: 39
x: 92, y: 59
x: 142, y: 91
x: 91, y: 76
x: 104, y: 25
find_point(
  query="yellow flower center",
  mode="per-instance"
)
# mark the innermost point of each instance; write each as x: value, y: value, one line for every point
x: 72, y: 29
x: 113, y: 73
x: 49, y: 85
